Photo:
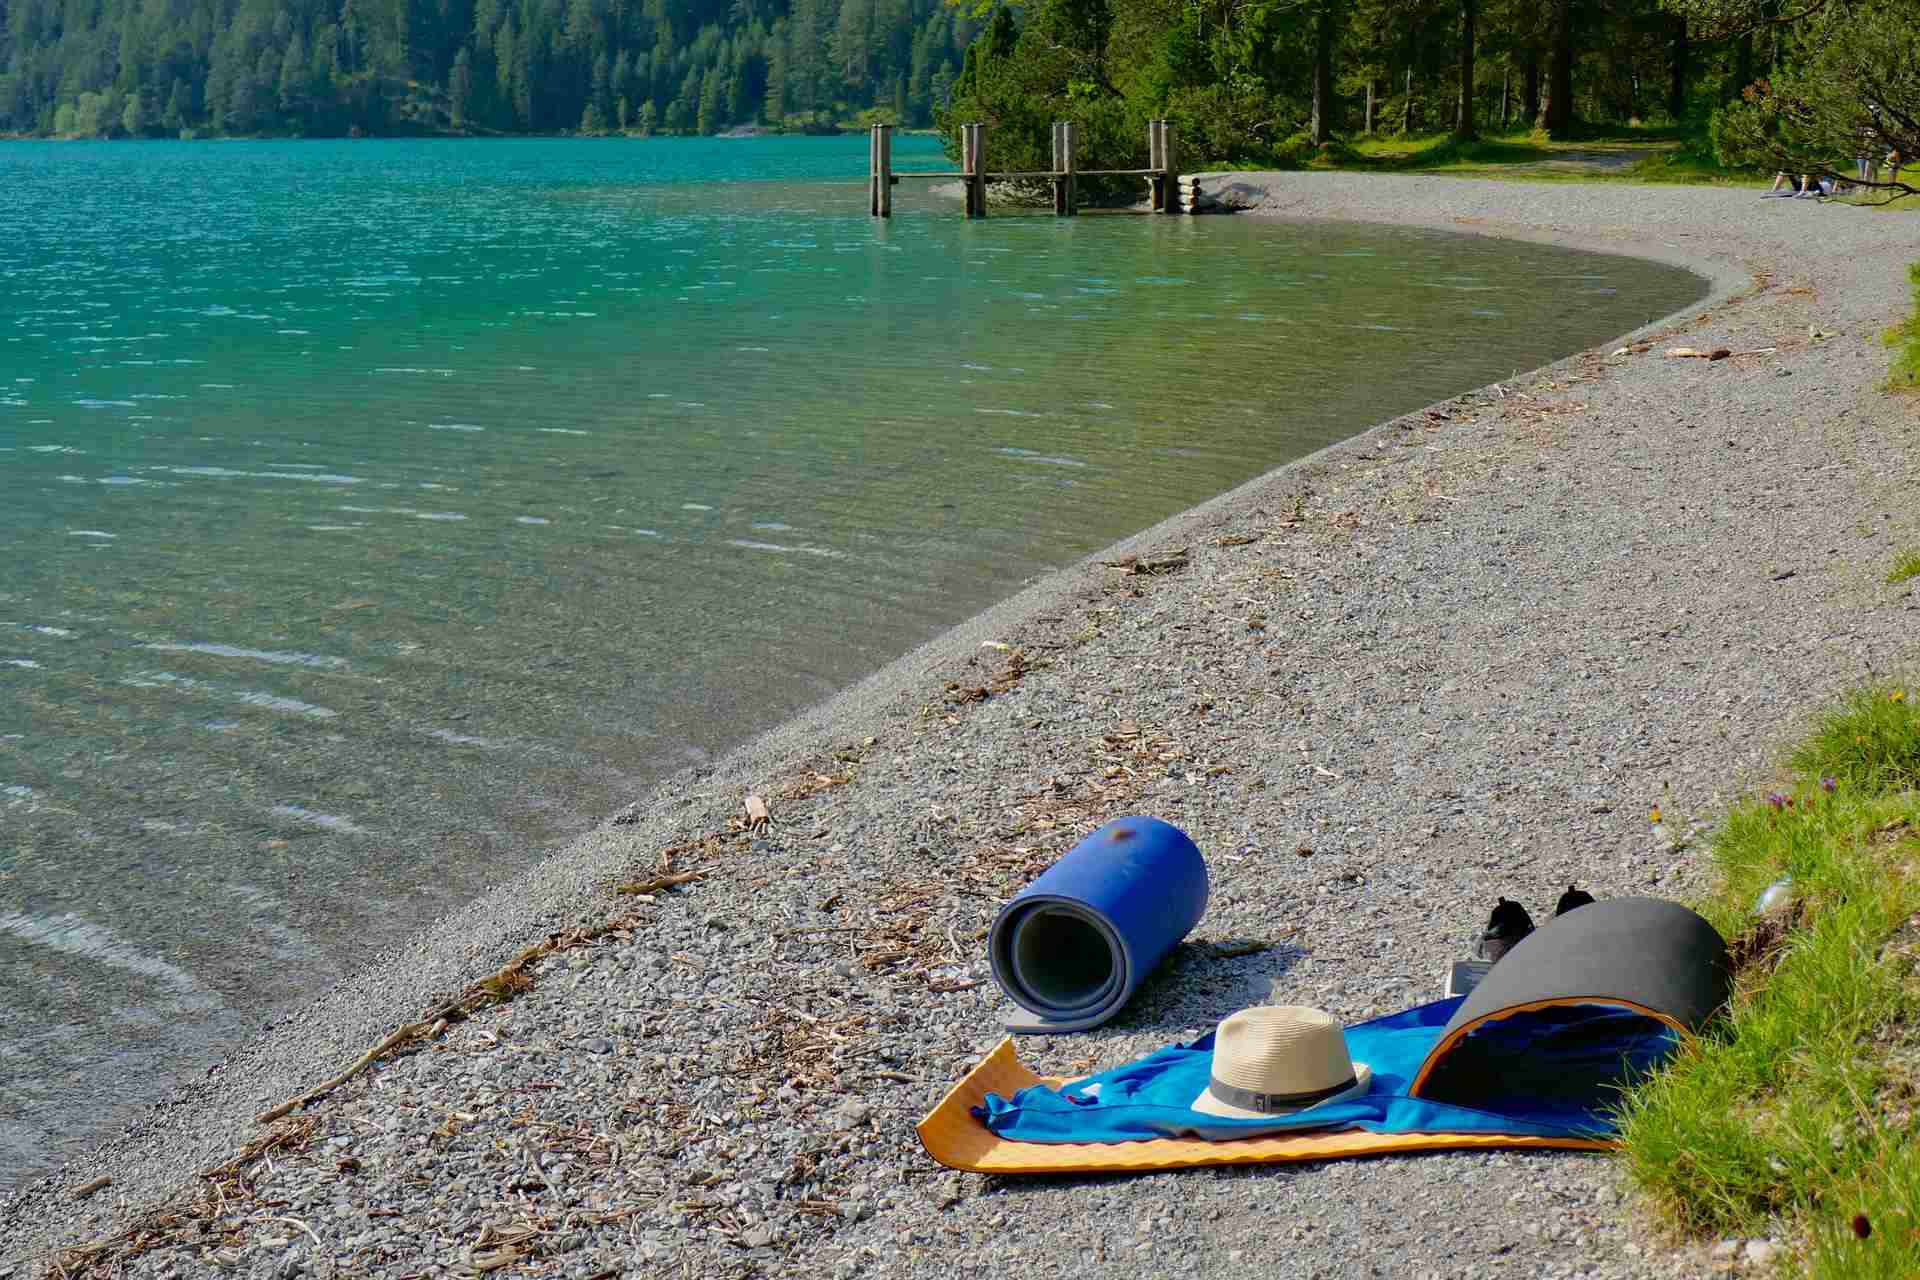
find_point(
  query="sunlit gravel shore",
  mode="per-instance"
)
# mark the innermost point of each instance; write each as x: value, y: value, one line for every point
x: 1459, y: 656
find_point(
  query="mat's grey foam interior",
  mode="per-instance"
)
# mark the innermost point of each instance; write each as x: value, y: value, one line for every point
x: 1062, y: 958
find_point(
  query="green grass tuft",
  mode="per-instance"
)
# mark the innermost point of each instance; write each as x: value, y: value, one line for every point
x: 1905, y: 565
x: 1796, y: 1110
x: 1871, y: 740
x: 1905, y: 338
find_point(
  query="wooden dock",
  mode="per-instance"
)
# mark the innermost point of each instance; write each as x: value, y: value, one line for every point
x: 1165, y: 192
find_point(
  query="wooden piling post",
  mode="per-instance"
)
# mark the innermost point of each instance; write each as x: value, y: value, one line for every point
x: 880, y: 171
x: 973, y: 154
x: 1059, y: 170
x: 1170, y: 159
x: 1159, y: 185
x: 1065, y: 165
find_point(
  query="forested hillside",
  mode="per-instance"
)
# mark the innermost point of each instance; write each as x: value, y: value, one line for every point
x: 153, y: 68
x: 1276, y: 78
x: 1809, y: 85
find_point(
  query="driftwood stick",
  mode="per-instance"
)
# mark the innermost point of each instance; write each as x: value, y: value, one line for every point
x: 291, y: 1222
x: 489, y: 990
x: 325, y: 1087
x: 660, y: 882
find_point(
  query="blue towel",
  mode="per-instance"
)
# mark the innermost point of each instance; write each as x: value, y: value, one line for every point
x: 1152, y: 1098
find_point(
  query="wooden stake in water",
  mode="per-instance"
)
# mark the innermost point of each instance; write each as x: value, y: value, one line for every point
x: 1170, y: 161
x: 1065, y: 163
x: 1159, y: 187
x: 1163, y: 179
x: 973, y: 151
x: 880, y: 171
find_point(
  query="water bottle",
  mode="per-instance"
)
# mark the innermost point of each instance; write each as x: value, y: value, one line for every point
x: 1775, y: 894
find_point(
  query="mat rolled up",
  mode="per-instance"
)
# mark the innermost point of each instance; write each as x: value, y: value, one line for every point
x: 1071, y: 948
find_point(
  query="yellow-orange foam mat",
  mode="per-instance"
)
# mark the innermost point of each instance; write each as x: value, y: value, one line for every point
x: 952, y: 1136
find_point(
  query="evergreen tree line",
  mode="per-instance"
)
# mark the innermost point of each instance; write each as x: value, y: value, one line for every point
x: 161, y: 68
x: 1276, y: 82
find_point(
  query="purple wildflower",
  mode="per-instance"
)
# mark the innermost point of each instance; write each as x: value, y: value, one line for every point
x: 1779, y: 801
x: 1828, y: 785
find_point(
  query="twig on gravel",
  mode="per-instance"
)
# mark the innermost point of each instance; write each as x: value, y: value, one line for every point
x: 1169, y: 562
x: 182, y: 1220
x: 404, y: 1034
x: 498, y: 988
x: 1241, y: 949
x: 86, y: 1189
x: 658, y: 883
x: 292, y: 1222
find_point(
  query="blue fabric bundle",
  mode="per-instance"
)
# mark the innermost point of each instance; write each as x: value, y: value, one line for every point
x: 1152, y: 1098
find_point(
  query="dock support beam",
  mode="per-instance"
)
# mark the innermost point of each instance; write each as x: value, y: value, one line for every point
x: 973, y: 155
x: 880, y: 171
x: 1065, y: 162
x: 1164, y: 196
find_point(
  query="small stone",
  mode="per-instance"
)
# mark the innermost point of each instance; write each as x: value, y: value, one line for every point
x: 598, y: 1044
x: 1761, y: 1252
x: 1724, y: 1250
x: 757, y: 1237
x: 850, y: 1114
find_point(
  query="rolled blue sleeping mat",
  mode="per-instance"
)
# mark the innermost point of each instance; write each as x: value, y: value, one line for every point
x: 1072, y: 947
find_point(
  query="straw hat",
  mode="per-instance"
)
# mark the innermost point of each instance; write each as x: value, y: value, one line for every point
x: 1274, y: 1060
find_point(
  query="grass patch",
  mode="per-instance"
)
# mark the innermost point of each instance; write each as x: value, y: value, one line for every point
x: 1664, y: 154
x: 1905, y: 338
x: 1795, y: 1113
x: 1905, y: 565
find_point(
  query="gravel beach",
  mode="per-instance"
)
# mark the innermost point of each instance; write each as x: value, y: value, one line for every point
x: 1460, y: 655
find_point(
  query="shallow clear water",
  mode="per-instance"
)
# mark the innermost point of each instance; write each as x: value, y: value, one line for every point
x: 378, y: 514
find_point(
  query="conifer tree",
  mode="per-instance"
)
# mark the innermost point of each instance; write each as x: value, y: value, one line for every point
x: 460, y: 91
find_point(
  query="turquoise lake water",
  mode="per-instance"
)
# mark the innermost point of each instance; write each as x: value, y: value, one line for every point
x: 380, y: 514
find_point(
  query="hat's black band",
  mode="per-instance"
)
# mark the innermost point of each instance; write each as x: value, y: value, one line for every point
x: 1267, y: 1103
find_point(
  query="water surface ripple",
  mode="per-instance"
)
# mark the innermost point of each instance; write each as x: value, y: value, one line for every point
x: 378, y: 514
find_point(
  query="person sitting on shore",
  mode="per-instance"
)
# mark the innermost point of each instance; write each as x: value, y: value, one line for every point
x: 1805, y: 188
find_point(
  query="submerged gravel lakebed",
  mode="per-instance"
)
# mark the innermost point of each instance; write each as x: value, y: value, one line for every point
x: 1458, y: 656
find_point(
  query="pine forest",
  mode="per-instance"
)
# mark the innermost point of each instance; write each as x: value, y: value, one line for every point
x: 1246, y: 82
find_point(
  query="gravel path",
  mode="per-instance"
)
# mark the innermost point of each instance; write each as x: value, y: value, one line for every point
x: 1458, y: 656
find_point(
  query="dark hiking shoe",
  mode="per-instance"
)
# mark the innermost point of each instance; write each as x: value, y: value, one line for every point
x: 1508, y: 923
x: 1571, y: 899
